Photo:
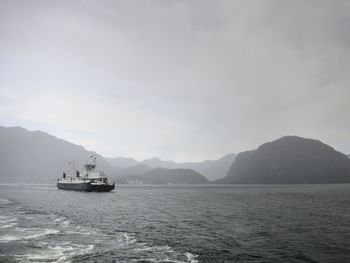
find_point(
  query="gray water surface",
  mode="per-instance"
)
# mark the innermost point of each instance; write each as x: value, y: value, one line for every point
x: 295, y: 223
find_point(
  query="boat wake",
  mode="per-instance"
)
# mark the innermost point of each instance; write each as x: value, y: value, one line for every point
x: 32, y: 236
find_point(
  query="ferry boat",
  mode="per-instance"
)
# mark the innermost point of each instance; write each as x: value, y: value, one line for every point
x: 91, y: 180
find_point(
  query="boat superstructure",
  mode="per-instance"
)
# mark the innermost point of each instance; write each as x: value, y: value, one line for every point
x: 91, y: 179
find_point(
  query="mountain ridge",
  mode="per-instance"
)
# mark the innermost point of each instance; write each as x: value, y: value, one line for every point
x: 122, y: 162
x: 167, y: 176
x: 36, y: 156
x: 289, y: 160
x: 210, y: 169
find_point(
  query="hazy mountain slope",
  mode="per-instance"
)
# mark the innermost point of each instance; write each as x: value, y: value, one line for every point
x: 156, y: 162
x: 170, y: 176
x: 122, y: 162
x: 211, y: 169
x: 35, y: 156
x: 135, y: 170
x: 290, y: 160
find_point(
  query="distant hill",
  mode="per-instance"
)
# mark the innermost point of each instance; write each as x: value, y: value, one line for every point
x: 168, y: 176
x: 211, y: 169
x: 35, y: 156
x: 156, y: 162
x: 290, y: 160
x: 122, y: 162
x: 138, y: 169
x: 348, y: 156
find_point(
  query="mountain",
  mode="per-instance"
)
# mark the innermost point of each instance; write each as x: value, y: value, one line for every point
x: 138, y: 169
x: 290, y: 160
x: 122, y: 162
x: 348, y: 156
x: 156, y: 162
x: 211, y: 169
x: 35, y: 156
x: 169, y: 176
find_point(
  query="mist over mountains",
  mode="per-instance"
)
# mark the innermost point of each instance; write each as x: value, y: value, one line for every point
x: 37, y: 157
x: 211, y: 169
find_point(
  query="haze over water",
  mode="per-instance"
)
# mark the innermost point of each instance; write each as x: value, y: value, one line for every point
x: 294, y: 223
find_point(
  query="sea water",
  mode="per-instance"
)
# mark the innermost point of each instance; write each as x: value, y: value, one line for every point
x: 232, y: 223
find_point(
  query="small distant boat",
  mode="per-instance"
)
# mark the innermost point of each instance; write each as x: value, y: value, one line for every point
x: 91, y: 180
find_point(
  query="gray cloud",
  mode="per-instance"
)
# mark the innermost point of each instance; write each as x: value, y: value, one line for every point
x: 177, y: 79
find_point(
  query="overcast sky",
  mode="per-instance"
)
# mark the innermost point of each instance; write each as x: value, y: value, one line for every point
x: 182, y: 80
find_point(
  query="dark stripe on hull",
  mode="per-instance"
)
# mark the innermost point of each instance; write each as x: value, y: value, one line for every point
x: 86, y: 187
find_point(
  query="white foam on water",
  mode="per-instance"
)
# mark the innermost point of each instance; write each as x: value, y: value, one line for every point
x: 62, y: 221
x: 162, y: 249
x: 128, y: 238
x: 45, y: 256
x: 158, y: 260
x: 163, y: 254
x: 61, y: 252
x: 7, y: 219
x: 191, y: 257
x: 9, y: 225
x: 27, y: 233
x: 4, y: 201
x: 65, y: 223
x: 71, y: 228
x: 8, y: 238
x: 78, y: 230
x: 7, y: 222
x: 52, y: 250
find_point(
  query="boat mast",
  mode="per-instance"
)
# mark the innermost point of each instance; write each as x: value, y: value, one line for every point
x: 72, y: 165
x: 94, y: 157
